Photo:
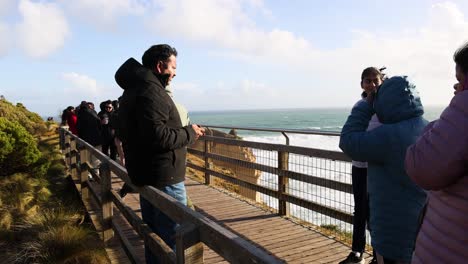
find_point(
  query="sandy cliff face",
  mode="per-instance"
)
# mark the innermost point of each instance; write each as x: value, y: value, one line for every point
x: 236, y: 152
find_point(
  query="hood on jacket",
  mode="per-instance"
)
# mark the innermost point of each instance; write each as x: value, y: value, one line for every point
x: 397, y: 100
x: 131, y: 73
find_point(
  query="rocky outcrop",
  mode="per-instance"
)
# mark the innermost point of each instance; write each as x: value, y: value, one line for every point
x: 236, y: 152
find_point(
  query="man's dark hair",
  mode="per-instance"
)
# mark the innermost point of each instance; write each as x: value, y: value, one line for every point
x: 371, y: 71
x: 115, y: 104
x: 461, y: 57
x: 157, y: 53
x: 102, y: 105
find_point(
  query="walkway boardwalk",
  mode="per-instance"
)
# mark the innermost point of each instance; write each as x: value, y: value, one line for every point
x: 285, y: 239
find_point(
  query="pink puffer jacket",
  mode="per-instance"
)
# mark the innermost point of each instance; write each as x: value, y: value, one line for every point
x: 438, y: 162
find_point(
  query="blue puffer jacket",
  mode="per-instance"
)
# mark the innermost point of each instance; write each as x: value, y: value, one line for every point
x: 395, y: 201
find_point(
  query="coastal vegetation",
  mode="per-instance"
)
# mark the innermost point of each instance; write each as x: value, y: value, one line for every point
x: 41, y: 217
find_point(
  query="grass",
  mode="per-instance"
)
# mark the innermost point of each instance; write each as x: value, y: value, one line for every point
x: 42, y: 219
x: 62, y: 244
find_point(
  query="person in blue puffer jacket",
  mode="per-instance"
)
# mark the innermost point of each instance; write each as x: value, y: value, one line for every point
x: 395, y: 201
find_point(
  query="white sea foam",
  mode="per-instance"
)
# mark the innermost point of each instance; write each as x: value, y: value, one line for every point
x: 309, y: 141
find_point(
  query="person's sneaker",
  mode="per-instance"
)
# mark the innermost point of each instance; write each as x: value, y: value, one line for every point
x: 353, y: 258
x: 373, y: 260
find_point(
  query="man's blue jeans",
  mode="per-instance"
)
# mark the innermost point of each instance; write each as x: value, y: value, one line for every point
x: 160, y: 223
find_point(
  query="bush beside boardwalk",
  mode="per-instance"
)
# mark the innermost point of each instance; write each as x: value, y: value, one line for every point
x: 41, y: 219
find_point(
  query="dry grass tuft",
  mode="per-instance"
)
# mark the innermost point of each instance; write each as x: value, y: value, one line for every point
x: 66, y: 244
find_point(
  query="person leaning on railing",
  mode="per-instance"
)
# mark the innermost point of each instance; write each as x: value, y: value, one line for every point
x: 395, y: 201
x: 371, y: 79
x: 152, y: 135
x: 438, y: 162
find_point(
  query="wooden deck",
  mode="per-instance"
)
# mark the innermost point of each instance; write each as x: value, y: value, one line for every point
x: 285, y: 239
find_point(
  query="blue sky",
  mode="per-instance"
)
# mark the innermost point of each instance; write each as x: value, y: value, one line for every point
x: 233, y: 54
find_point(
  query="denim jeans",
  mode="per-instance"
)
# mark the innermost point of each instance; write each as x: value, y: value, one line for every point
x: 160, y: 223
x: 361, y: 208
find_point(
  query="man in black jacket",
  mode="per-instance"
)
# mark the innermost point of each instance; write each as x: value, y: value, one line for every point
x: 89, y: 129
x: 152, y: 135
x: 107, y: 134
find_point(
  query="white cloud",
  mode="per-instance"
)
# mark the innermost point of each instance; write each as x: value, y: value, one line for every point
x: 81, y: 87
x: 425, y: 53
x: 227, y: 24
x: 81, y: 83
x: 212, y: 20
x: 43, y: 29
x: 104, y: 13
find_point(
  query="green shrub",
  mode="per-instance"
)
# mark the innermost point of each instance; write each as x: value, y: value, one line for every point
x: 29, y: 120
x: 40, y: 167
x: 18, y: 148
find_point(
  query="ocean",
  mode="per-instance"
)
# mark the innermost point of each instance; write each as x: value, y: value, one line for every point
x: 331, y: 119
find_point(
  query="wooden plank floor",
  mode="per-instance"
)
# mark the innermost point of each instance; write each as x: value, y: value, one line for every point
x: 279, y: 236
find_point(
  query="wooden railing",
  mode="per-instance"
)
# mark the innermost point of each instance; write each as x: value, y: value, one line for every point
x: 194, y: 228
x: 282, y: 171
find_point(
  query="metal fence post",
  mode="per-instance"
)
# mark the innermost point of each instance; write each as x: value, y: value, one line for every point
x: 283, y: 181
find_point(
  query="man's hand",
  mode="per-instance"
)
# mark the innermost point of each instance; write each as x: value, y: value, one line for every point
x: 199, y: 131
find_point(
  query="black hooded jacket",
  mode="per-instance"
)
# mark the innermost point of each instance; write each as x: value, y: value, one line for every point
x: 88, y: 125
x: 152, y: 135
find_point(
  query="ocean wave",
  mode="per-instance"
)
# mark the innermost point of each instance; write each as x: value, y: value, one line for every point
x: 309, y: 141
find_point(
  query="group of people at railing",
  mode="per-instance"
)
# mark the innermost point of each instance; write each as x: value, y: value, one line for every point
x: 98, y: 129
x: 410, y: 179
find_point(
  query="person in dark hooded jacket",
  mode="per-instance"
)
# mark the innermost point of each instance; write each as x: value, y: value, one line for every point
x: 152, y: 134
x: 88, y: 125
x: 107, y: 134
x: 395, y: 201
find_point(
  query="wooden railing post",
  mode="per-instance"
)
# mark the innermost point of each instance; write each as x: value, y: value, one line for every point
x: 62, y: 138
x: 106, y: 198
x: 71, y: 143
x: 189, y: 249
x: 73, y: 160
x: 84, y: 173
x: 66, y: 151
x: 283, y: 181
x: 207, y: 161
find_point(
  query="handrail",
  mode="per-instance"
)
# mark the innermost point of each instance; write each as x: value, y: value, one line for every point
x: 194, y: 226
x: 279, y: 130
x: 320, y: 153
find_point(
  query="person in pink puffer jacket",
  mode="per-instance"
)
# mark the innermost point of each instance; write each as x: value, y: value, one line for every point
x: 438, y: 162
